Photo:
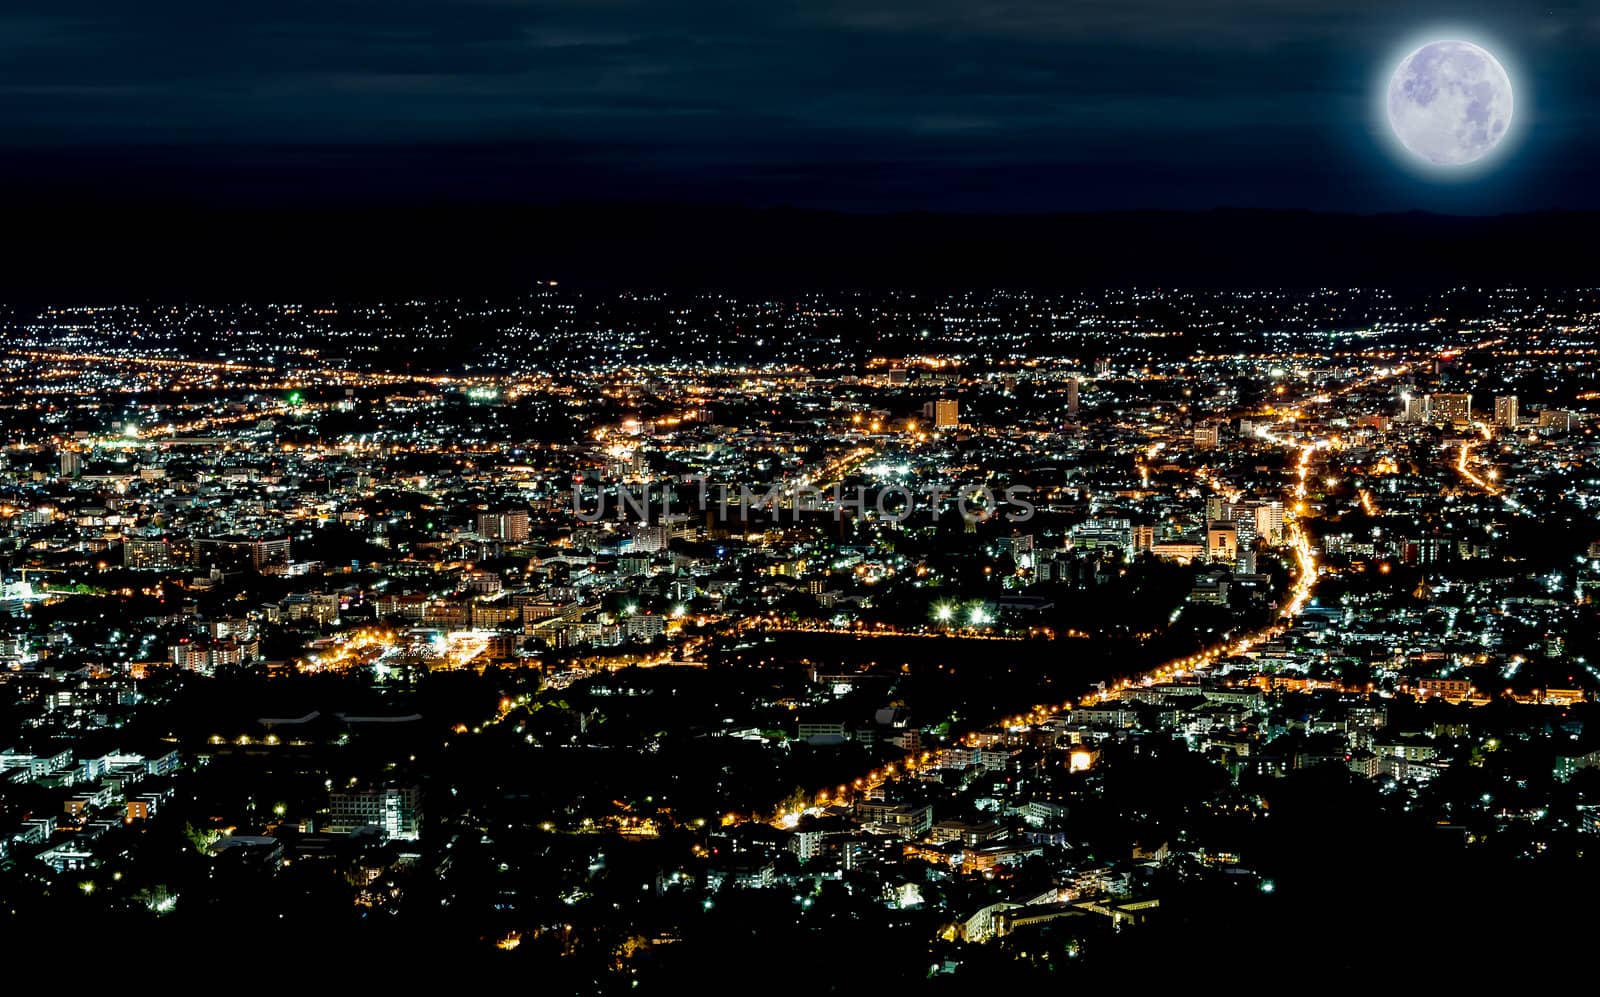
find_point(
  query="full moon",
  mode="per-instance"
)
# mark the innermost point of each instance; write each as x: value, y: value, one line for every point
x: 1450, y: 103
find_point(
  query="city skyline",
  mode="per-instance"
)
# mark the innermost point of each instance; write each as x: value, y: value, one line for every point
x: 975, y: 637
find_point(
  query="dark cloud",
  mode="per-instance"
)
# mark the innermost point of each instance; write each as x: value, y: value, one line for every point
x: 918, y: 103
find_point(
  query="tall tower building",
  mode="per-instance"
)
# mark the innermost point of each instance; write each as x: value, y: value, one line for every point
x: 1072, y: 396
x: 1144, y: 537
x: 1269, y: 522
x: 1505, y: 411
x: 1416, y: 408
x: 1453, y: 408
x: 511, y: 525
x: 1222, y: 541
x: 1555, y: 421
x: 946, y: 414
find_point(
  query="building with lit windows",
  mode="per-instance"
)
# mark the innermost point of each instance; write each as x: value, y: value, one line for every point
x: 1222, y: 541
x: 395, y: 811
x: 945, y: 413
x: 1505, y: 411
x: 510, y: 525
x: 1450, y: 408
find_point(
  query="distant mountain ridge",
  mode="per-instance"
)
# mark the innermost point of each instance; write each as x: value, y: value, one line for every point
x: 103, y: 253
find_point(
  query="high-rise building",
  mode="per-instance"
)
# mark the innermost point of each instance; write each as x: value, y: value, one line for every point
x: 946, y: 414
x: 1269, y: 522
x: 71, y: 464
x: 1244, y: 523
x: 395, y: 811
x: 510, y: 525
x: 1206, y: 436
x: 1450, y: 407
x: 157, y: 553
x: 1098, y: 534
x: 1072, y: 396
x: 649, y: 539
x: 236, y: 551
x: 1555, y: 421
x: 645, y: 627
x: 1505, y: 411
x: 1222, y: 541
x: 1144, y: 537
x: 1415, y: 408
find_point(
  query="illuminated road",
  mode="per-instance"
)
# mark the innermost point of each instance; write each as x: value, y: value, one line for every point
x: 860, y: 629
x: 1301, y: 588
x: 1464, y: 468
x: 1487, y: 483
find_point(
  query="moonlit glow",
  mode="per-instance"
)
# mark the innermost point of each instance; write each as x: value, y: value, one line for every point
x: 1450, y: 103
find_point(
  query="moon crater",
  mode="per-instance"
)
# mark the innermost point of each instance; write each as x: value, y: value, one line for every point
x: 1450, y: 103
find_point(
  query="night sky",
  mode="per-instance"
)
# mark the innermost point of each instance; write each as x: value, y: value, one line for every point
x: 942, y: 105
